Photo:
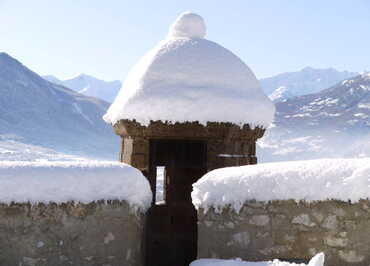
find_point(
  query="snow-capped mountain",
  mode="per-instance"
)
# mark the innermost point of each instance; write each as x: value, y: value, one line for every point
x: 344, y: 106
x: 53, y: 79
x: 90, y: 86
x: 332, y: 123
x: 36, y: 111
x: 306, y: 81
x: 280, y: 94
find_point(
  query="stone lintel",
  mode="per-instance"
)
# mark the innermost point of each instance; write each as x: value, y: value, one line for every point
x: 187, y: 130
x: 227, y: 144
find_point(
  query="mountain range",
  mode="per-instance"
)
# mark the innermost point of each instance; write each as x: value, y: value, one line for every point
x: 38, y: 112
x: 279, y: 88
x: 306, y: 81
x: 90, y: 86
x: 331, y: 123
x: 46, y: 120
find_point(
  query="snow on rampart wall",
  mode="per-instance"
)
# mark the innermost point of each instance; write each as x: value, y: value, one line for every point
x: 81, y: 181
x: 71, y: 213
x: 287, y: 210
x: 312, y: 180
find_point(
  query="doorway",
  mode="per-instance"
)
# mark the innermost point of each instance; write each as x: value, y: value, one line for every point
x: 171, y: 230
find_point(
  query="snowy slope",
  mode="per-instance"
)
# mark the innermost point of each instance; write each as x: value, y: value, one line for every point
x: 306, y: 81
x: 343, y: 106
x: 41, y: 113
x: 332, y: 123
x: 281, y: 94
x: 90, y: 86
x: 53, y: 79
x: 13, y: 150
x: 186, y: 73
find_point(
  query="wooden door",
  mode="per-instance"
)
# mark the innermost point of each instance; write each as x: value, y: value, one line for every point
x: 171, y: 231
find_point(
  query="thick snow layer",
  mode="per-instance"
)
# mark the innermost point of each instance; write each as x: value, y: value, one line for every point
x: 188, y: 25
x: 188, y: 78
x: 341, y: 179
x: 84, y: 181
x: 318, y: 260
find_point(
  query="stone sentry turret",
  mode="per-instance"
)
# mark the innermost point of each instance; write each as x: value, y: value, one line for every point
x: 227, y: 144
x: 189, y: 106
x: 189, y: 88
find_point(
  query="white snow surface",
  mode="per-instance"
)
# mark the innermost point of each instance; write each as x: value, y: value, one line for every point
x: 83, y: 181
x: 312, y: 180
x: 317, y: 260
x: 280, y: 94
x: 11, y: 149
x: 188, y: 25
x: 188, y: 78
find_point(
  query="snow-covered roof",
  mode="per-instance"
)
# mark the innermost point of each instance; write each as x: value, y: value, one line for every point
x: 83, y: 181
x: 314, y: 180
x: 188, y: 78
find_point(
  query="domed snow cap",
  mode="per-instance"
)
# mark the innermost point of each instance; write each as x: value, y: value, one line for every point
x: 188, y: 78
x: 188, y: 25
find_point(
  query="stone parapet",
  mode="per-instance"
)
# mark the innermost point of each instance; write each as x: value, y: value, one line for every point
x: 288, y: 230
x: 108, y: 234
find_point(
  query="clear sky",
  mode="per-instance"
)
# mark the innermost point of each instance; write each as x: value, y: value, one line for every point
x: 105, y: 38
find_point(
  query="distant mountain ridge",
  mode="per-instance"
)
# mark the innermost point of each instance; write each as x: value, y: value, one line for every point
x: 278, y: 88
x: 306, y: 81
x: 90, y: 86
x: 43, y: 113
x: 343, y: 106
x: 334, y: 122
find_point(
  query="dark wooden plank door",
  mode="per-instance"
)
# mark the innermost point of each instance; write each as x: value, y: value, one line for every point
x: 171, y: 231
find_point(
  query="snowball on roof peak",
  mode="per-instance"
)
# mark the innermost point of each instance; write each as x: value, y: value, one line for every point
x: 188, y: 25
x: 187, y: 78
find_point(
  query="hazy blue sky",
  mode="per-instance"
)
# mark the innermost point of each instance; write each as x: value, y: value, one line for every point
x: 105, y: 38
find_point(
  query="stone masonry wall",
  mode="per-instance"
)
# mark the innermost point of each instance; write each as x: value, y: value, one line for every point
x: 288, y: 230
x: 227, y: 144
x: 70, y: 234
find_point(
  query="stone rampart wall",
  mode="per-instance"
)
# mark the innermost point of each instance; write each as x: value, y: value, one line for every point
x: 288, y: 230
x: 107, y: 234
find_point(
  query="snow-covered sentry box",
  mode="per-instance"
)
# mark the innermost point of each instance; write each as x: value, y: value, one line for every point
x: 188, y: 106
x: 289, y: 210
x: 190, y: 88
x: 71, y: 213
